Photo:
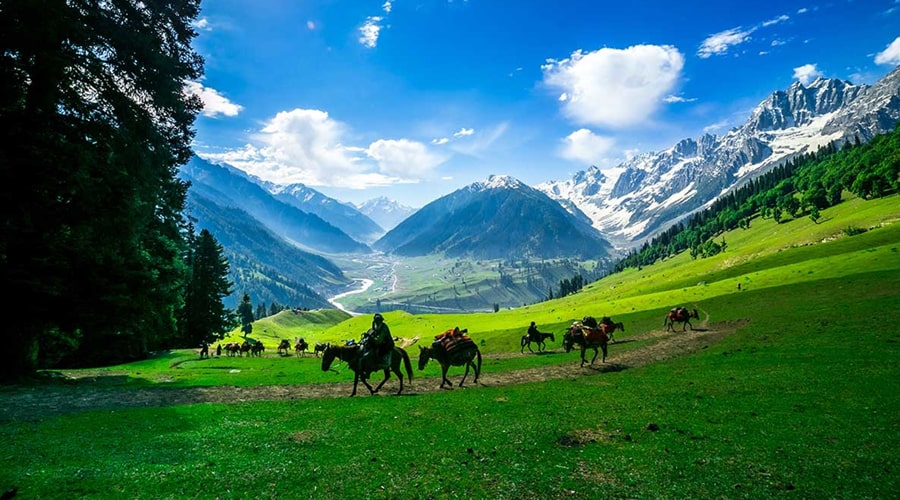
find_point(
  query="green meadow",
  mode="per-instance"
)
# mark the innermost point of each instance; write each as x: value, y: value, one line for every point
x: 800, y: 397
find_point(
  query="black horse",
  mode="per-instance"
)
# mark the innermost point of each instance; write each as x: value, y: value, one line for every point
x: 362, y: 367
x: 462, y: 356
x: 540, y: 339
x: 320, y: 347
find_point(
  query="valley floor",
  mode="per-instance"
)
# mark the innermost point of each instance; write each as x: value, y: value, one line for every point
x: 36, y: 403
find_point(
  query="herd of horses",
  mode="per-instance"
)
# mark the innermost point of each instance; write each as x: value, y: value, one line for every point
x: 587, y: 334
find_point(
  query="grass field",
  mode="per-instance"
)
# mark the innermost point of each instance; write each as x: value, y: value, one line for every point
x: 800, y: 399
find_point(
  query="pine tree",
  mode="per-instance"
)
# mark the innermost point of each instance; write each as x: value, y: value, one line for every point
x: 245, y: 311
x: 94, y: 123
x: 204, y: 317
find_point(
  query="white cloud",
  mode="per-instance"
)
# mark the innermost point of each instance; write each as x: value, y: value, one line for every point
x: 676, y: 98
x: 614, y: 87
x: 403, y: 158
x: 806, y: 73
x: 369, y: 31
x: 202, y: 24
x: 464, y: 132
x: 214, y: 103
x: 308, y: 146
x: 387, y: 7
x: 776, y: 20
x: 440, y: 141
x: 586, y: 147
x: 310, y: 25
x: 890, y: 55
x: 719, y: 43
x: 716, y: 127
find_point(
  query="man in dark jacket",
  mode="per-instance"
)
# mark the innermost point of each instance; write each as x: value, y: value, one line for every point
x: 379, y: 341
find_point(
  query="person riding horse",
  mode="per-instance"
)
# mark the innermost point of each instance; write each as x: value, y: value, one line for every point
x: 533, y: 333
x: 377, y: 343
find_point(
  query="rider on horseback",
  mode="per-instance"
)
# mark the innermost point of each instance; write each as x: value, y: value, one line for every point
x: 533, y: 333
x: 377, y: 343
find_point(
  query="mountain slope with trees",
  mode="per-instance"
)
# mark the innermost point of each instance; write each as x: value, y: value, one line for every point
x: 265, y: 266
x: 799, y: 187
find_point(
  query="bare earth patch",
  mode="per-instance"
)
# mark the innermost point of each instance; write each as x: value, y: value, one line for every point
x: 23, y: 403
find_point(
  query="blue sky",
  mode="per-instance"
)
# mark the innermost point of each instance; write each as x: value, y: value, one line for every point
x: 414, y: 99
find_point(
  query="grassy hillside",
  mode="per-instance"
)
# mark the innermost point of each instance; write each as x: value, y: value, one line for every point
x: 797, y: 397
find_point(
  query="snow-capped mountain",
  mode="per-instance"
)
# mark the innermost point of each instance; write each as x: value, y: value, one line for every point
x: 344, y: 216
x: 386, y: 212
x: 497, y: 218
x: 645, y: 195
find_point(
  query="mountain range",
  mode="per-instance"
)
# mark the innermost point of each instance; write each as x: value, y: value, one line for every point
x: 643, y: 196
x: 594, y: 215
x: 499, y: 218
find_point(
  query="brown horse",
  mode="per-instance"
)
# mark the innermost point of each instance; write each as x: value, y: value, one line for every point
x: 362, y: 367
x: 680, y: 315
x: 540, y: 339
x: 463, y: 356
x: 300, y: 347
x: 596, y: 338
x: 257, y: 349
x: 232, y: 348
x: 284, y: 347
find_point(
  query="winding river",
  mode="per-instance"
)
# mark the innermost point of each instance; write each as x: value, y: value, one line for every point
x: 365, y: 284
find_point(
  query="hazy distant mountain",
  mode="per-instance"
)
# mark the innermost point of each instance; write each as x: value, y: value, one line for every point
x: 342, y: 215
x: 499, y: 218
x: 229, y: 187
x: 262, y: 263
x: 645, y: 195
x: 386, y: 212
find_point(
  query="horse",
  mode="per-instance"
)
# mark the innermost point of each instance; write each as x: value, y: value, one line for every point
x: 245, y: 347
x: 283, y: 347
x: 681, y: 315
x: 320, y: 347
x: 204, y: 349
x: 233, y: 348
x: 595, y: 338
x: 351, y: 356
x: 541, y: 342
x: 257, y: 349
x: 462, y: 356
x: 300, y: 347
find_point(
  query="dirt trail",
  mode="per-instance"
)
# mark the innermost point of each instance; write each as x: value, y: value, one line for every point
x: 24, y: 403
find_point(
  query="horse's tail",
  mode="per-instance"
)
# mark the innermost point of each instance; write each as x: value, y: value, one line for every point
x: 478, y: 355
x: 407, y: 363
x: 524, y: 341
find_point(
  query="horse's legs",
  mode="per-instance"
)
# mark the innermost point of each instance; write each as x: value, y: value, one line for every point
x: 444, y: 379
x: 596, y: 353
x: 387, y: 375
x: 465, y: 374
x: 603, y: 346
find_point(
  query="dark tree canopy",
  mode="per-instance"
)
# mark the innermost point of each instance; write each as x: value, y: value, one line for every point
x: 94, y: 123
x: 204, y: 318
x: 245, y: 311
